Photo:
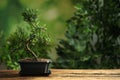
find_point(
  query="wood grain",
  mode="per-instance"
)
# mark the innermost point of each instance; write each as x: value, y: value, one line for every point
x: 65, y: 74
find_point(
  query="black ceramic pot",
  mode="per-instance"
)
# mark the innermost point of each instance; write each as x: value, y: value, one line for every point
x: 34, y: 68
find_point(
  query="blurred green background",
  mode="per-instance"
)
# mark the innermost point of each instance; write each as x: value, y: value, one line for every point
x: 53, y: 13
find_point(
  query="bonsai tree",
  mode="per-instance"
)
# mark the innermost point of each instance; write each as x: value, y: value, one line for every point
x: 37, y: 35
x: 92, y: 37
x: 28, y: 41
x: 35, y: 42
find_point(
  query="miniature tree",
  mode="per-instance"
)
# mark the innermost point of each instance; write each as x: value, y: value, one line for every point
x: 32, y: 39
x: 37, y: 34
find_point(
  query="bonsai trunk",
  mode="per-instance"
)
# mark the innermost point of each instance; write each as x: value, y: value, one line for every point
x: 30, y: 51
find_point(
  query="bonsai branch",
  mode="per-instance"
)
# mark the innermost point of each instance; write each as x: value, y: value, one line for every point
x: 32, y: 52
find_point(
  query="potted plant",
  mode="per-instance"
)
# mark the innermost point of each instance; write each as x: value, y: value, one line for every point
x: 34, y: 66
x: 36, y: 36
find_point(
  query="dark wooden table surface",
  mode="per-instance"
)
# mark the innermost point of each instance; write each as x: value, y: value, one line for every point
x: 65, y: 74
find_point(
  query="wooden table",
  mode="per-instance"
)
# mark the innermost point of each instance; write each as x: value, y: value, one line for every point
x: 65, y: 74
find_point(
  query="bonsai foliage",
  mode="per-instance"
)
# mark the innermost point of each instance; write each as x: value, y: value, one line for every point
x: 37, y: 34
x: 30, y: 41
x: 92, y: 36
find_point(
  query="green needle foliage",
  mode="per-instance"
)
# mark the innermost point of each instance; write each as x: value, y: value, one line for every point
x: 92, y: 36
x: 106, y: 16
x: 28, y: 41
x: 71, y: 51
